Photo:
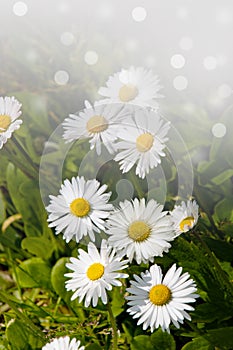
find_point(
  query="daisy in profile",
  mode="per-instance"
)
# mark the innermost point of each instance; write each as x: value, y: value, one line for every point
x: 80, y: 209
x: 140, y: 231
x: 99, y: 123
x: 134, y: 85
x: 157, y: 301
x: 184, y: 217
x: 9, y: 112
x: 142, y: 142
x: 64, y: 343
x: 93, y: 273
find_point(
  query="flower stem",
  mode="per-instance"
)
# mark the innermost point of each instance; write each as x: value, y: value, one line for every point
x: 114, y: 327
x: 136, y: 185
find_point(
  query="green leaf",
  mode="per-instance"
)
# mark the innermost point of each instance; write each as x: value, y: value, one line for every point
x: 93, y: 347
x: 224, y: 210
x: 141, y: 342
x: 2, y: 209
x: 199, y: 343
x: 225, y: 175
x: 221, y: 337
x: 39, y: 246
x: 34, y: 273
x: 57, y: 277
x: 163, y: 340
x: 223, y: 250
x: 58, y: 282
x: 118, y: 301
x: 21, y: 338
x: 209, y: 312
x: 5, y: 280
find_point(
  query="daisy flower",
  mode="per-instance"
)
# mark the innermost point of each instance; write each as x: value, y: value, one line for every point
x: 94, y: 273
x: 134, y: 85
x: 99, y: 123
x: 158, y: 301
x: 80, y: 209
x: 142, y: 142
x: 140, y: 231
x: 63, y: 343
x: 9, y: 112
x: 184, y: 216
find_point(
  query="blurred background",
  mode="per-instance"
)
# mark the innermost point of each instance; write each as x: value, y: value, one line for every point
x: 56, y: 54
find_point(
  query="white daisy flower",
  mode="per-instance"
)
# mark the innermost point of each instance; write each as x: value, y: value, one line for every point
x: 142, y: 142
x: 158, y: 301
x: 64, y: 343
x: 140, y: 231
x: 9, y: 112
x: 94, y: 273
x: 134, y: 85
x: 99, y: 123
x: 80, y: 209
x: 184, y: 216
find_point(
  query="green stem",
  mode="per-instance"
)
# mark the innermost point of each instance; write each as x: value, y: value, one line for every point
x: 215, y: 263
x: 136, y: 185
x: 20, y: 148
x: 14, y: 271
x: 16, y: 154
x: 114, y: 327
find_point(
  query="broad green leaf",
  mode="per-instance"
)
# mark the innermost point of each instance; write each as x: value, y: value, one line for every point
x: 222, y: 177
x: 118, y: 301
x: 39, y: 246
x: 223, y: 250
x: 34, y: 273
x: 142, y: 342
x: 93, y: 347
x: 163, y: 340
x: 224, y: 210
x: 210, y: 312
x: 57, y: 277
x: 199, y: 343
x: 221, y: 337
x: 58, y: 282
x: 21, y: 338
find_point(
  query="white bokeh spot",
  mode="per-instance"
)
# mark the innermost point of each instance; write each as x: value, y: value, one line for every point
x: 177, y: 61
x: 91, y: 58
x: 210, y: 63
x: 61, y: 77
x: 20, y: 8
x: 67, y: 38
x: 139, y: 14
x: 219, y: 130
x: 224, y: 91
x: 180, y: 82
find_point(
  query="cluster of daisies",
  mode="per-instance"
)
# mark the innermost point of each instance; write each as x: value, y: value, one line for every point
x: 127, y: 123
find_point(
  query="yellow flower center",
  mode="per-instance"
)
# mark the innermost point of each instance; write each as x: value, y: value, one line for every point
x: 80, y: 207
x: 187, y: 223
x: 5, y: 122
x: 160, y: 294
x: 96, y: 124
x: 139, y: 231
x: 128, y: 92
x: 144, y: 142
x: 95, y: 271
